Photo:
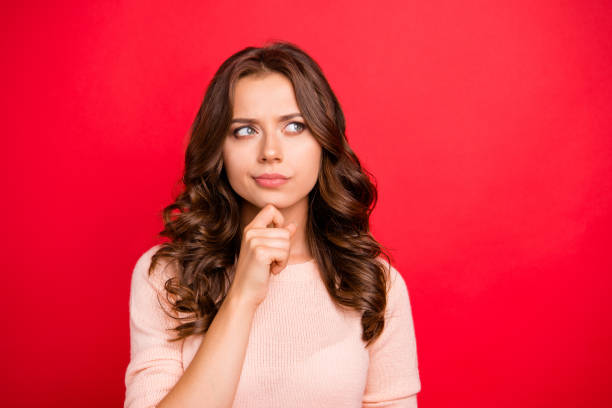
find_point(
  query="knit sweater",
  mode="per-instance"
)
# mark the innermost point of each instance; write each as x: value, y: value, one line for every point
x: 303, y: 350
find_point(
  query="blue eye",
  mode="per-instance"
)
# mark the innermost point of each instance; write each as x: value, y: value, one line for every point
x: 243, y: 127
x: 300, y: 126
x: 248, y: 130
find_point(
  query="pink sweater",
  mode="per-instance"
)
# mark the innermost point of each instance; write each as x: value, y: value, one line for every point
x: 303, y: 351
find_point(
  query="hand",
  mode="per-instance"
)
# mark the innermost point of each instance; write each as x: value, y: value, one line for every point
x: 262, y: 251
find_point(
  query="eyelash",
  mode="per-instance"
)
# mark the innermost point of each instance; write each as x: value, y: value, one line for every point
x: 243, y: 127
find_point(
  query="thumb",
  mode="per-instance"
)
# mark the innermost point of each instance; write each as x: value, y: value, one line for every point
x: 292, y: 227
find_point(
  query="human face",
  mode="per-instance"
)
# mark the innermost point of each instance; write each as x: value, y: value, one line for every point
x: 265, y: 137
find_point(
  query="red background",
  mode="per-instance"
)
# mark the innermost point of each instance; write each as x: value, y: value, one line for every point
x: 487, y: 125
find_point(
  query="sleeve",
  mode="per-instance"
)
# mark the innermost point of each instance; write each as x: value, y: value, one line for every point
x: 393, y: 374
x: 155, y: 364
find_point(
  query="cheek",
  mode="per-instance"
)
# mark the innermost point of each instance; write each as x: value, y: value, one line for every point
x: 233, y: 169
x: 235, y: 174
x: 232, y: 162
x: 311, y: 161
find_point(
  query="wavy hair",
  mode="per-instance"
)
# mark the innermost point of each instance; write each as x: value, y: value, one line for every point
x: 203, y: 222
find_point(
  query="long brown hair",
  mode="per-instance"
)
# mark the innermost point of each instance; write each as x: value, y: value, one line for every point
x: 203, y: 223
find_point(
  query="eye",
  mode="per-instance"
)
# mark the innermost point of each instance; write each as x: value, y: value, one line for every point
x: 297, y: 129
x: 237, y: 130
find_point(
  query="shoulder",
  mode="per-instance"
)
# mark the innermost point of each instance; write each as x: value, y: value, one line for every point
x: 397, y: 291
x: 148, y: 290
x: 160, y: 274
x: 392, y: 275
x: 145, y: 257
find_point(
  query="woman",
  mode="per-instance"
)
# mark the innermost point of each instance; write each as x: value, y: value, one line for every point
x: 277, y: 292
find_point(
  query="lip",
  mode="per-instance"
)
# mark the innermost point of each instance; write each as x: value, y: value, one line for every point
x: 270, y: 180
x: 270, y: 176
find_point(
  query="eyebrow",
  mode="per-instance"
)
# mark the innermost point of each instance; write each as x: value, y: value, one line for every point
x: 280, y: 118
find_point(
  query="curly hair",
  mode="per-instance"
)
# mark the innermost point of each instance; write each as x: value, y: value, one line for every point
x: 203, y: 223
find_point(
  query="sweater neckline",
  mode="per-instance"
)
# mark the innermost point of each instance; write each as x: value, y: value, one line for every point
x: 303, y: 271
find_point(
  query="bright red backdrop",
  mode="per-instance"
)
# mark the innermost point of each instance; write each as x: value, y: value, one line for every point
x: 487, y: 125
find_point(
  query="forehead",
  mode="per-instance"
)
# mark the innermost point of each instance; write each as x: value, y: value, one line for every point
x: 264, y: 95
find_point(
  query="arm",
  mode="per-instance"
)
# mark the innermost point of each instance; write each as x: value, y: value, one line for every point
x: 212, y: 377
x: 155, y: 364
x: 155, y: 376
x: 393, y: 374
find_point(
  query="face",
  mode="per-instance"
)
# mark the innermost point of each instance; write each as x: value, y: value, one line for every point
x: 268, y: 135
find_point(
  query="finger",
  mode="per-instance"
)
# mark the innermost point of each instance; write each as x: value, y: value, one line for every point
x: 277, y: 267
x: 279, y: 257
x: 270, y: 242
x: 268, y: 215
x: 269, y: 233
x: 292, y: 227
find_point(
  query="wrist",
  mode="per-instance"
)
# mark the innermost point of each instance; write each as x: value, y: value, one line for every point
x: 240, y: 302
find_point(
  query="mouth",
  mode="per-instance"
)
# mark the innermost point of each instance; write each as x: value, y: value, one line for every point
x: 270, y: 181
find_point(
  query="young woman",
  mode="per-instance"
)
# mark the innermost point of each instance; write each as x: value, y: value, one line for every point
x: 277, y: 292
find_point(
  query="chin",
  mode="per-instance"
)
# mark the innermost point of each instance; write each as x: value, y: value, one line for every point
x: 279, y: 203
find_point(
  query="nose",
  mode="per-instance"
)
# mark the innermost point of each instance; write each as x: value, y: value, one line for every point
x: 271, y: 148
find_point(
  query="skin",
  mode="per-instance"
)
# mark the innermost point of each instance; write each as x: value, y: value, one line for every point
x: 268, y: 144
x: 270, y: 238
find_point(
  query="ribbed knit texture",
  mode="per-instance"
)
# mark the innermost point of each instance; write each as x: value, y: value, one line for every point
x: 303, y: 351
